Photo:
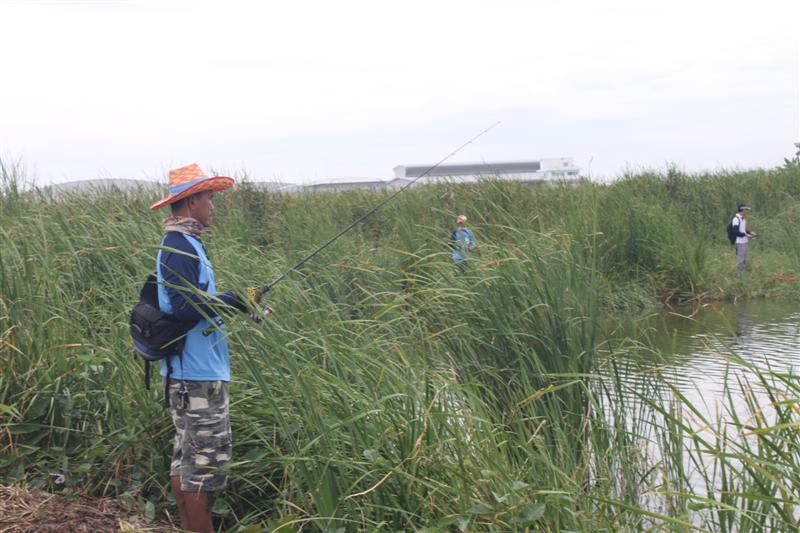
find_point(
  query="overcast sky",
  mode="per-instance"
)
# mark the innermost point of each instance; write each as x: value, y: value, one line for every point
x: 312, y: 90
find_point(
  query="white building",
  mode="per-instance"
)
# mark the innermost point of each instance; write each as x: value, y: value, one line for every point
x: 547, y: 169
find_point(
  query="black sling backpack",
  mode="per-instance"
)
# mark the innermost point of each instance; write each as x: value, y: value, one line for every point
x: 156, y: 334
x: 733, y: 231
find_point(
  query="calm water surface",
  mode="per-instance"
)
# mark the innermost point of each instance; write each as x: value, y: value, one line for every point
x: 693, y: 354
x: 690, y: 345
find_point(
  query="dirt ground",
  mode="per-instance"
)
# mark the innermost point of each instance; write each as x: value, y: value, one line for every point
x: 23, y: 511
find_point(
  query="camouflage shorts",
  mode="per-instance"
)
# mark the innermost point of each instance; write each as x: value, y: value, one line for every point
x: 202, y: 447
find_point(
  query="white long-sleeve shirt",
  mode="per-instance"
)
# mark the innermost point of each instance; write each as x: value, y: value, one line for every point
x: 740, y: 223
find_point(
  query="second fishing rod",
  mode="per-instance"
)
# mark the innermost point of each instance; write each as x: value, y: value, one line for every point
x: 254, y: 294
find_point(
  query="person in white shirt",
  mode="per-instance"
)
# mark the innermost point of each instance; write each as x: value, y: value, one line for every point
x: 739, y: 224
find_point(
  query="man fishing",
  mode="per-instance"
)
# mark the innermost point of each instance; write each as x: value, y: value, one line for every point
x: 743, y: 235
x: 462, y: 243
x: 198, y: 397
x: 196, y: 380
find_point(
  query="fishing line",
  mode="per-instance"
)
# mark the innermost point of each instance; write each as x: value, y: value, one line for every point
x: 797, y: 144
x: 318, y: 249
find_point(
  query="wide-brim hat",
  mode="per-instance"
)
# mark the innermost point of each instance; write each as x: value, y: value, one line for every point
x: 189, y: 180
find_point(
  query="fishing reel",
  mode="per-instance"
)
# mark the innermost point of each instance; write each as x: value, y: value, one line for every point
x: 254, y: 296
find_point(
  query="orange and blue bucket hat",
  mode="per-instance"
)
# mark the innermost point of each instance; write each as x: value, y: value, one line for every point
x: 189, y: 180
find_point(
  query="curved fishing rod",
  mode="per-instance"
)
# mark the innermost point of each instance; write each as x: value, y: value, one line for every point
x: 266, y: 288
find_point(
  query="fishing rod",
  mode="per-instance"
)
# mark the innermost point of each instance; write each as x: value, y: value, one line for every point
x: 266, y: 288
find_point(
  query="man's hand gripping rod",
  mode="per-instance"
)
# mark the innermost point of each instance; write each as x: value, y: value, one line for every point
x: 254, y: 294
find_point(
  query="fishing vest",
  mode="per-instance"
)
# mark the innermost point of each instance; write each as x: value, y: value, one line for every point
x: 205, y: 352
x: 464, y: 242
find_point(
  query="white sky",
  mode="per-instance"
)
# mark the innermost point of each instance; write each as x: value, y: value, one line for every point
x: 312, y: 90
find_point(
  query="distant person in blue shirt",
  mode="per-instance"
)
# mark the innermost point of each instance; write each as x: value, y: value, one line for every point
x: 462, y: 242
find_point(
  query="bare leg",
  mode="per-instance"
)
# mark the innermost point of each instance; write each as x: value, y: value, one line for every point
x: 194, y: 508
x: 176, y: 490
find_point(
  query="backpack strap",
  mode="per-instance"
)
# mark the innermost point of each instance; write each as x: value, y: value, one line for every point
x: 166, y: 382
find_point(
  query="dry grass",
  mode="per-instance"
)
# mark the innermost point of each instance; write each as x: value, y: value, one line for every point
x: 26, y: 511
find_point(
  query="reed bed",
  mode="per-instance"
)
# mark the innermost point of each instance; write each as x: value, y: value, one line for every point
x: 388, y: 392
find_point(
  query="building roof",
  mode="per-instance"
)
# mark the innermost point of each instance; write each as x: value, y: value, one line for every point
x: 458, y: 169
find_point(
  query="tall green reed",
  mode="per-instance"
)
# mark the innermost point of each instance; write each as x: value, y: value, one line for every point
x: 388, y: 392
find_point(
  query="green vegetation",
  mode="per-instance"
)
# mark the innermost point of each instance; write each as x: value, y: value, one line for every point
x: 387, y: 393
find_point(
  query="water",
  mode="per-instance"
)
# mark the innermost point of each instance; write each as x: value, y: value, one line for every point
x: 703, y: 353
x: 690, y: 346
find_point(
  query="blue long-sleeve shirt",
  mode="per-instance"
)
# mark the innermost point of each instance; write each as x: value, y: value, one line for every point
x: 182, y: 268
x: 205, y: 352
